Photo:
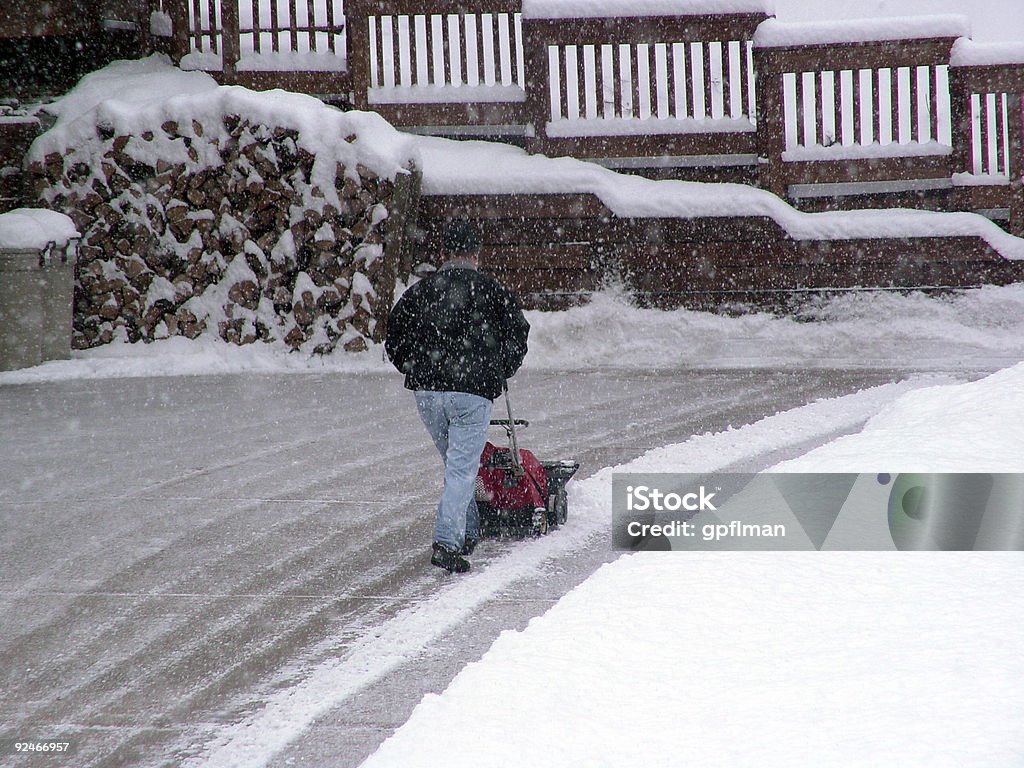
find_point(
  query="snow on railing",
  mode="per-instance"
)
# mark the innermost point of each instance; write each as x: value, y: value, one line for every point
x: 711, y: 83
x: 681, y: 84
x: 265, y: 35
x: 871, y: 97
x: 436, y: 51
x: 989, y: 80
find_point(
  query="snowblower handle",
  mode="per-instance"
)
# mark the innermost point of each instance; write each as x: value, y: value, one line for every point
x: 517, y: 464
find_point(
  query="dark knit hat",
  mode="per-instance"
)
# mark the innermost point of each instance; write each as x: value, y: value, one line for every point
x: 460, y: 236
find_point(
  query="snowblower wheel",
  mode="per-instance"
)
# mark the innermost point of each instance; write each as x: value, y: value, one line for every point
x: 558, y: 505
x: 540, y: 522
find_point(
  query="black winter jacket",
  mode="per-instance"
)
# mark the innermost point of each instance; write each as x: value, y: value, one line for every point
x: 457, y: 331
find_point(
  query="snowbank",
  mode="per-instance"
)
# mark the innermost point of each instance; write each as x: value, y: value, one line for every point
x: 35, y: 228
x: 979, y: 426
x: 980, y: 329
x: 664, y: 659
x: 728, y: 659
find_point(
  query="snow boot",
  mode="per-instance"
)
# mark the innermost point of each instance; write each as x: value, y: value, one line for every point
x: 450, y: 560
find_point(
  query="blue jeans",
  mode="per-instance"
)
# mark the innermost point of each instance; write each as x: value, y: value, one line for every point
x: 457, y: 423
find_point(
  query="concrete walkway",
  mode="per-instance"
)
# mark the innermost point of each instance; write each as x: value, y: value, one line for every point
x: 172, y: 548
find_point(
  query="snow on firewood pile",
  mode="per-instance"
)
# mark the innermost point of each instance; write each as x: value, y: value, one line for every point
x: 207, y: 209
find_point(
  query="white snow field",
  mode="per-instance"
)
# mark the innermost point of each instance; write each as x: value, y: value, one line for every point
x: 766, y: 659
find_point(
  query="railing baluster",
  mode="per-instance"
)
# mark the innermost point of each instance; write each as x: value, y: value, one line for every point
x: 634, y: 78
x: 255, y: 26
x: 800, y: 137
x: 430, y: 42
x: 311, y: 22
x: 727, y: 83
x: 414, y: 50
x: 837, y: 106
x: 446, y: 36
x: 743, y: 84
x: 916, y: 126
x: 379, y: 52
x: 195, y: 28
x: 504, y: 52
x: 858, y: 101
x: 275, y: 27
x: 396, y: 49
x: 820, y: 136
x: 671, y: 94
x: 986, y: 133
x: 293, y: 25
x: 229, y: 42
x: 480, y: 62
x: 616, y: 82
x: 1002, y: 150
x: 748, y: 79
x: 584, y: 54
x: 212, y: 11
x: 875, y: 81
x: 708, y: 84
x: 561, y: 52
x: 687, y: 61
x: 894, y: 104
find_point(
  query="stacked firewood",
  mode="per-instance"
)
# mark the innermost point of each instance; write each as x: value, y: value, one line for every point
x: 232, y: 228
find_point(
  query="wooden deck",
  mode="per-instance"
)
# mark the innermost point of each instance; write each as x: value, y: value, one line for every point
x: 832, y: 125
x: 555, y: 250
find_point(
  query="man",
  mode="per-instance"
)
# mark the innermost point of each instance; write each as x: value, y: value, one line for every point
x: 457, y: 335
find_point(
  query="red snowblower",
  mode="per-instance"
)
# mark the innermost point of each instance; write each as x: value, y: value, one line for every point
x: 516, y: 493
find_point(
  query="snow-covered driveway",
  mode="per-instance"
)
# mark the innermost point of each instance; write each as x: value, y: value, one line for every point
x: 176, y: 549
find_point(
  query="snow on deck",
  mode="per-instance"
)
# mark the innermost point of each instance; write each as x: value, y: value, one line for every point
x: 773, y: 33
x: 476, y: 168
x: 970, y: 53
x: 582, y: 9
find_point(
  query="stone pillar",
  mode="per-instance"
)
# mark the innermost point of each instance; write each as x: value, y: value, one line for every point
x: 36, y: 295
